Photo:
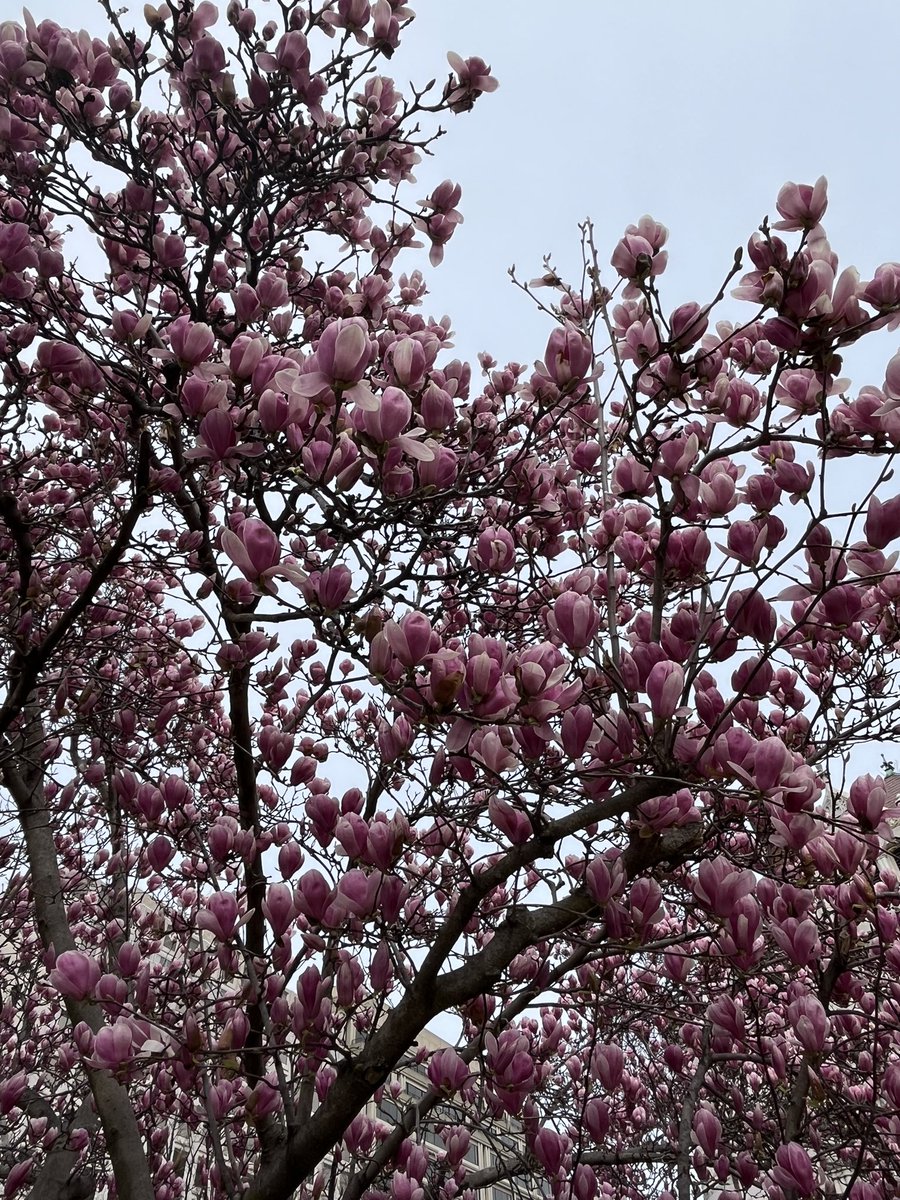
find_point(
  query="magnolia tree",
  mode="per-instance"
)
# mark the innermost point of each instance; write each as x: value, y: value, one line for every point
x: 341, y: 692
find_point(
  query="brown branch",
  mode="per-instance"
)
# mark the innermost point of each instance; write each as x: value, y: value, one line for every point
x: 793, y: 1117
x: 431, y: 992
x: 254, y: 1056
x: 686, y: 1124
x: 510, y: 1168
x: 24, y: 780
x: 58, y: 1177
x: 26, y: 668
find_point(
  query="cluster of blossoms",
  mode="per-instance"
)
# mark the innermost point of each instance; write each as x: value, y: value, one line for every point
x: 343, y: 689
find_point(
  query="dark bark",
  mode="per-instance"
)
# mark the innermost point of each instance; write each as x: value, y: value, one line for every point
x: 23, y: 777
x: 432, y: 991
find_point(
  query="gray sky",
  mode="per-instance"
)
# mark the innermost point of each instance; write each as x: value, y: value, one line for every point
x: 694, y: 112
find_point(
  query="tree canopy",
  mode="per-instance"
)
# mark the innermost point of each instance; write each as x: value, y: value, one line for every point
x: 345, y: 689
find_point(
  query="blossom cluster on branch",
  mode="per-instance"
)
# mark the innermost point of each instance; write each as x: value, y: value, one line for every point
x: 343, y: 688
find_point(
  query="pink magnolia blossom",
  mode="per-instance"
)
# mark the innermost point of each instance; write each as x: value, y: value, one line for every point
x: 160, y: 853
x: 597, y: 1118
x: 511, y: 822
x: 550, y: 1148
x: 771, y: 761
x: 436, y: 407
x: 568, y: 357
x: 220, y: 916
x: 633, y: 257
x: 719, y: 885
x: 607, y: 1064
x: 312, y: 894
x: 687, y: 325
x: 494, y: 751
x: 245, y: 355
x: 799, y: 939
x: 254, y: 548
x: 577, y: 729
x: 409, y: 638
x: 728, y: 1016
x: 385, y: 417
x: 749, y: 613
x: 746, y: 541
x: 446, y: 675
x: 113, y: 1044
x: 75, y: 974
x: 882, y: 522
x: 665, y: 684
x: 217, y: 433
x: 447, y: 1071
x: 867, y: 801
x: 512, y: 1068
x: 495, y: 549
x: 883, y: 290
x: 408, y: 362
x: 802, y: 205
x: 290, y: 859
x: 10, y: 1091
x: 356, y: 894
x: 584, y: 1182
x: 437, y: 467
x: 708, y: 1131
x: 17, y: 1176
x: 645, y: 903
x: 275, y: 746
x: 631, y: 477
x: 264, y: 1099
x: 687, y: 552
x: 577, y: 619
x: 794, y: 1170
x: 891, y: 1084
x: 473, y: 77
x: 17, y: 250
x: 810, y: 1023
x: 457, y: 1139
x: 605, y: 878
x: 191, y: 342
x: 279, y: 907
x: 129, y: 959
x: 59, y: 358
x: 352, y: 832
x: 344, y: 351
x: 394, y: 740
x: 329, y: 588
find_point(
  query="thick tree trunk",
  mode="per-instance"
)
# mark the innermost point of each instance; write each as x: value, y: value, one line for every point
x: 22, y: 775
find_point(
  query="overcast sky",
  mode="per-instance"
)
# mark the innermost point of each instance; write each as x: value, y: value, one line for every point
x: 694, y: 112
